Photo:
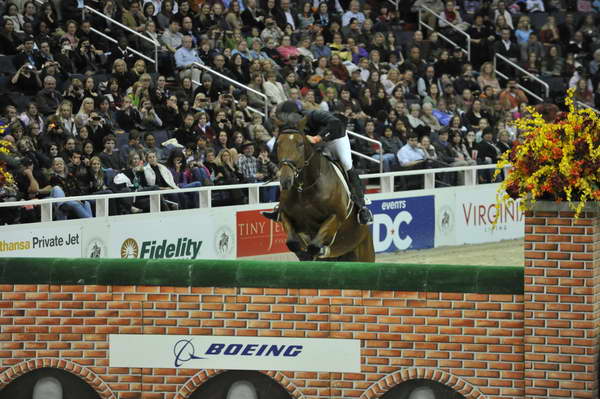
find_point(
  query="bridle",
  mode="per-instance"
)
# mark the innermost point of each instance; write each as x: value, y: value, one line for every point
x: 298, y: 171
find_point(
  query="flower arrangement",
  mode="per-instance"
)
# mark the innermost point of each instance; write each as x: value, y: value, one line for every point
x: 557, y: 160
x: 6, y: 178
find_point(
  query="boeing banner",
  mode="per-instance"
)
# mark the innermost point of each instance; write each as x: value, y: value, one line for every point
x: 403, y: 223
x: 234, y: 353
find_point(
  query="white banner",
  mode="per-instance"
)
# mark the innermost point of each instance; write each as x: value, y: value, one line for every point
x: 62, y: 240
x: 475, y: 212
x: 207, y: 234
x: 234, y: 353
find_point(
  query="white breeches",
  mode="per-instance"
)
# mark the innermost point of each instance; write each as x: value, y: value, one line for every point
x: 340, y: 149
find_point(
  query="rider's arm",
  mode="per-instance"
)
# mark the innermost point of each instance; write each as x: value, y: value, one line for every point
x: 329, y: 126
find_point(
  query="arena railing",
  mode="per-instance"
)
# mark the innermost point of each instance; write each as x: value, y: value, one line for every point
x: 451, y: 25
x: 235, y: 83
x: 372, y: 141
x: 529, y: 74
x: 581, y: 104
x: 113, y: 40
x: 128, y: 29
x: 102, y: 201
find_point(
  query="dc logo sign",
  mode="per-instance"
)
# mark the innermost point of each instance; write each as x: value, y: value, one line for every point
x: 404, y: 223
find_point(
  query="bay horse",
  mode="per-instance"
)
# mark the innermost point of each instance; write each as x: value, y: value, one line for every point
x: 315, y: 207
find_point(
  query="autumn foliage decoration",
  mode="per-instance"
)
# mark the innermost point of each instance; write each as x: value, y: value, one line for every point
x: 6, y: 150
x: 558, y: 160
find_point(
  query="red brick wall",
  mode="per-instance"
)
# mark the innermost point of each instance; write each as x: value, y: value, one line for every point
x: 562, y: 303
x: 538, y: 345
x: 470, y: 342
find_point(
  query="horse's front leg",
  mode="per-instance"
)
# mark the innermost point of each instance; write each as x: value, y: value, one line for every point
x: 294, y: 242
x: 320, y: 246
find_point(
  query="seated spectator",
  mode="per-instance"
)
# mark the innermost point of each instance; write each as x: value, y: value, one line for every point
x: 504, y: 143
x: 128, y: 117
x: 109, y: 157
x: 65, y: 185
x: 185, y: 57
x: 85, y: 112
x: 228, y: 174
x: 48, y: 98
x: 158, y: 175
x: 512, y: 96
x: 183, y: 177
x: 412, y: 155
x: 26, y: 80
x: 390, y: 146
x: 273, y: 89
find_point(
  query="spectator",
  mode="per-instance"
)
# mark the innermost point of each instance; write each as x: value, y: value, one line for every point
x: 512, y: 96
x: 390, y: 146
x: 185, y: 57
x: 48, y: 98
x: 109, y: 157
x: 65, y: 185
x: 411, y: 155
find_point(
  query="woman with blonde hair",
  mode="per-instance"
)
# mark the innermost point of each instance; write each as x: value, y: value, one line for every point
x: 487, y: 76
x: 85, y: 111
x: 227, y: 174
x: 120, y: 72
x: 64, y: 116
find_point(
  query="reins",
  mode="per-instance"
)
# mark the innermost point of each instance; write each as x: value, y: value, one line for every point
x: 299, y: 172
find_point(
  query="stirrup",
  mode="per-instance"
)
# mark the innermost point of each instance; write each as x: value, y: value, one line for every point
x: 365, y: 216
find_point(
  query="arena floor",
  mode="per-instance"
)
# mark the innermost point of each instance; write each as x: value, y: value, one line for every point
x: 504, y: 253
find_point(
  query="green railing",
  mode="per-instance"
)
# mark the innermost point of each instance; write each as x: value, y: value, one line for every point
x: 263, y: 274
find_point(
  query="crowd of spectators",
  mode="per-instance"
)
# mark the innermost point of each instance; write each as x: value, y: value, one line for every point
x: 89, y: 116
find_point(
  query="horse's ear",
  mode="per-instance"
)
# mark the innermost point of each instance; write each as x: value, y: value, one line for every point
x: 302, y: 124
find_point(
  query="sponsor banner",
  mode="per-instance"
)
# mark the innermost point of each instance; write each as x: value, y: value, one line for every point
x: 95, y: 239
x: 403, y: 223
x: 61, y: 240
x: 476, y: 211
x: 189, y: 235
x: 238, y: 353
x: 257, y: 235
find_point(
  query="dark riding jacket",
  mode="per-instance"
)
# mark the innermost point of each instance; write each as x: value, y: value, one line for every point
x: 329, y: 126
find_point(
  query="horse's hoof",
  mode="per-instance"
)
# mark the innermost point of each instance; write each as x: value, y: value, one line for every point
x: 293, y: 246
x: 304, y: 256
x: 314, y: 250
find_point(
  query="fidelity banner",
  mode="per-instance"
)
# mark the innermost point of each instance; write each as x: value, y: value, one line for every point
x: 239, y: 353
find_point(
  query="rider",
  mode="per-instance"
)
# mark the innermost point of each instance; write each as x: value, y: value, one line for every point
x: 331, y: 133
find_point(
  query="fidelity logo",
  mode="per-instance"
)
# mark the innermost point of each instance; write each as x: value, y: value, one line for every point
x: 183, y: 247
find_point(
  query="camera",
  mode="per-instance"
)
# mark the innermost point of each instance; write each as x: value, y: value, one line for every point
x: 30, y: 67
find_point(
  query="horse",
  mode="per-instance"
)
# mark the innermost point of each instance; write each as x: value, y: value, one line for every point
x: 315, y: 209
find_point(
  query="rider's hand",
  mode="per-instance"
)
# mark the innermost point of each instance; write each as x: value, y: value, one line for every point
x: 315, y: 139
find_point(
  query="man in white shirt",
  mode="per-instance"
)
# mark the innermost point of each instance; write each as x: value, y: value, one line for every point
x: 411, y: 155
x: 185, y: 57
x: 353, y: 12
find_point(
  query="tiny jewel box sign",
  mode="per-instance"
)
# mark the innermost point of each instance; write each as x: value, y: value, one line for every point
x: 238, y: 353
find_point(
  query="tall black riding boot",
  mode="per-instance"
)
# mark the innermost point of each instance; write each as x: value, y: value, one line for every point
x: 358, y: 196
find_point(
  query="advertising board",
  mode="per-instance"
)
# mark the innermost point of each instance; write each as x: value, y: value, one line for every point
x: 257, y: 235
x: 475, y: 212
x: 403, y: 223
x: 184, y: 235
x: 62, y: 240
x: 239, y: 353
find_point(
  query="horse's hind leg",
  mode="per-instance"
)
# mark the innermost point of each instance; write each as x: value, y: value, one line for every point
x: 365, y: 252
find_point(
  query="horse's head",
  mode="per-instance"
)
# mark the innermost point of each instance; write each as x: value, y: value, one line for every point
x: 292, y: 154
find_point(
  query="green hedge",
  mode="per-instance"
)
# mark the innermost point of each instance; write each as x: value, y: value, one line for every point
x: 243, y: 273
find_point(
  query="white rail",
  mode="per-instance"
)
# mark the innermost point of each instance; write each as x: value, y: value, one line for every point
x: 450, y: 24
x: 236, y: 83
x: 102, y: 200
x: 529, y: 74
x: 581, y: 104
x: 372, y: 141
x: 128, y: 29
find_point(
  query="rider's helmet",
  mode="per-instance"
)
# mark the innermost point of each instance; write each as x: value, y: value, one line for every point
x: 288, y: 116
